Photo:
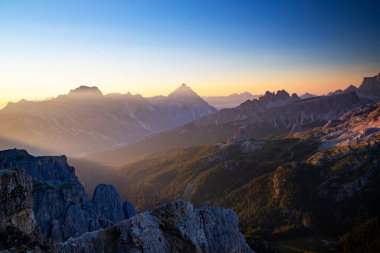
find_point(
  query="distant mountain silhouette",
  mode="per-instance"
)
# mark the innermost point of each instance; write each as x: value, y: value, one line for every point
x: 368, y: 91
x: 230, y: 101
x: 183, y: 105
x: 184, y: 92
x: 370, y: 87
x: 86, y: 91
x: 307, y: 95
x: 85, y: 120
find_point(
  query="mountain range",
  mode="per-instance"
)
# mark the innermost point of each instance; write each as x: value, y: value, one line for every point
x: 301, y: 173
x: 272, y: 114
x: 86, y: 121
x: 368, y: 91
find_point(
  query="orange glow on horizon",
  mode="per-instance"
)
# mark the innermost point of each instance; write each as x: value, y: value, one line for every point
x: 212, y: 88
x: 298, y: 81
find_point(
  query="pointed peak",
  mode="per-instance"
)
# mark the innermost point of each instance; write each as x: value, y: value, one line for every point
x: 245, y: 93
x: 183, y: 91
x: 351, y: 88
x: 86, y: 91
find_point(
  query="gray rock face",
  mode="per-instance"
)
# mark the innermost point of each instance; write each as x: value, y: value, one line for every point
x: 107, y: 204
x: 63, y: 213
x: 17, y: 222
x: 45, y: 168
x: 174, y: 227
x: 56, y: 193
x: 16, y: 202
x: 60, y: 203
x: 129, y: 209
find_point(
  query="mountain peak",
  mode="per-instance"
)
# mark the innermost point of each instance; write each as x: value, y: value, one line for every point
x: 280, y: 95
x: 86, y: 91
x: 245, y: 93
x: 351, y: 88
x: 307, y: 95
x: 183, y: 91
x: 370, y: 86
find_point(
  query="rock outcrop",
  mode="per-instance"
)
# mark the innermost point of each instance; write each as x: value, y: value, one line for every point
x: 355, y: 128
x: 173, y: 227
x: 370, y: 86
x: 107, y: 204
x: 44, y: 168
x: 60, y: 204
x: 18, y: 226
x: 129, y: 209
x: 44, y: 208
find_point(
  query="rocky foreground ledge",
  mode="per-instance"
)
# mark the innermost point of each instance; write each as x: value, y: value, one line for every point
x: 44, y: 208
x: 173, y: 227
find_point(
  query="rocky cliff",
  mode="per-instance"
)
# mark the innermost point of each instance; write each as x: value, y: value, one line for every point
x: 107, y: 204
x: 174, y: 227
x: 60, y: 203
x: 368, y: 90
x: 18, y: 226
x: 370, y: 86
x: 43, y: 205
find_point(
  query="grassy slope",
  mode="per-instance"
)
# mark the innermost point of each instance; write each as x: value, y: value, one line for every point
x: 207, y: 174
x: 246, y: 182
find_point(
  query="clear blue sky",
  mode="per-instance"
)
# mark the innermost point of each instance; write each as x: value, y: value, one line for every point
x: 217, y: 47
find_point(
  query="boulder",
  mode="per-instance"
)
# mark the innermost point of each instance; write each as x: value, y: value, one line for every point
x: 107, y: 204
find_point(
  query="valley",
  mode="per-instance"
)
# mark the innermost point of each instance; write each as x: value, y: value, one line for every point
x: 279, y: 187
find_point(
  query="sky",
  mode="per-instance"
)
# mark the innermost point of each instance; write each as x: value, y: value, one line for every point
x: 216, y: 47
